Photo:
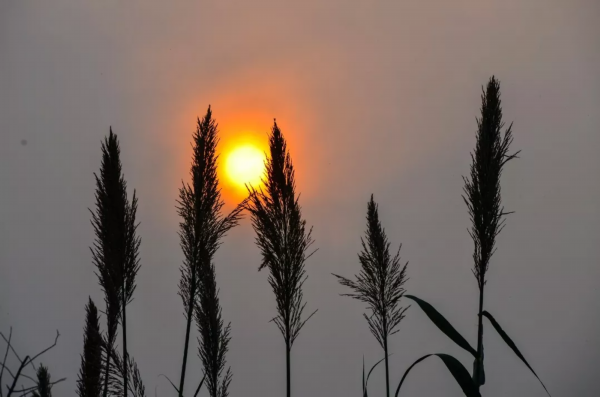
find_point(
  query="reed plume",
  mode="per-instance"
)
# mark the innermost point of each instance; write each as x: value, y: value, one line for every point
x: 283, y: 240
x: 483, y: 199
x: 44, y: 385
x: 483, y: 196
x: 115, y: 252
x: 379, y: 283
x: 89, y: 382
x: 201, y: 231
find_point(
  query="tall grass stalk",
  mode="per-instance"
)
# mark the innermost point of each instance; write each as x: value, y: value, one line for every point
x: 116, y: 249
x: 483, y: 197
x: 487, y: 215
x: 89, y: 382
x: 283, y: 240
x: 201, y: 231
x: 379, y: 284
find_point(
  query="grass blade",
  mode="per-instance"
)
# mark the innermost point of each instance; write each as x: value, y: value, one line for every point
x: 167, y: 378
x: 364, y: 388
x: 443, y: 324
x: 200, y: 385
x: 366, y: 382
x: 511, y: 344
x: 458, y: 371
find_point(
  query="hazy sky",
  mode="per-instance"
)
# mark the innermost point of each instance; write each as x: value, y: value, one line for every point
x: 374, y: 97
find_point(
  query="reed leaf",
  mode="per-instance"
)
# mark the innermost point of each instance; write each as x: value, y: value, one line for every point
x: 443, y: 324
x: 171, y: 382
x: 458, y: 371
x: 511, y: 344
x: 366, y: 381
x: 200, y: 385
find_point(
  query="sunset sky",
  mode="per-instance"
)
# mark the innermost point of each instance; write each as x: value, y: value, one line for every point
x: 373, y: 97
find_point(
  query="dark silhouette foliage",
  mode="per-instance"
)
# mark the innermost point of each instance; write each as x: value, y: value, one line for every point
x: 482, y: 190
x: 90, y: 374
x: 42, y: 383
x: 379, y: 283
x: 116, y: 248
x: 201, y: 231
x: 283, y: 240
x: 483, y: 200
x: 116, y: 383
x: 214, y: 336
x: 44, y: 386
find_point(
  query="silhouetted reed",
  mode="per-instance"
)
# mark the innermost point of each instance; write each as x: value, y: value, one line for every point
x: 483, y: 200
x: 116, y: 248
x: 379, y: 284
x: 201, y: 231
x: 89, y: 383
x: 283, y: 240
x: 44, y: 385
x: 116, y: 384
x: 214, y: 336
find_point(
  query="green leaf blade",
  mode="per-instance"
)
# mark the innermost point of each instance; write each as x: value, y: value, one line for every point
x: 443, y: 324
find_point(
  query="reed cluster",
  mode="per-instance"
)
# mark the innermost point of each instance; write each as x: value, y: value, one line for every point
x: 284, y: 241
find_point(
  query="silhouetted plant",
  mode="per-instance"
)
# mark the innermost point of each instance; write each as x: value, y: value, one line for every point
x: 201, y: 231
x: 214, y: 336
x: 44, y: 386
x: 283, y: 240
x: 365, y: 381
x: 19, y: 373
x: 116, y: 382
x: 116, y: 249
x: 89, y: 383
x: 379, y: 284
x: 487, y: 214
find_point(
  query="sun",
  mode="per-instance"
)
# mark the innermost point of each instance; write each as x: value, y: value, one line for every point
x: 245, y: 165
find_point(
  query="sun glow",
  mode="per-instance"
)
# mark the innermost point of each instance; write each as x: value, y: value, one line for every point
x: 245, y: 165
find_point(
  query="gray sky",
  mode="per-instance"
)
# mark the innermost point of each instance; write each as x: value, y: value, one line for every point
x: 375, y: 97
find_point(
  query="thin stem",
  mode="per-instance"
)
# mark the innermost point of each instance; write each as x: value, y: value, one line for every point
x: 477, y: 371
x: 27, y: 390
x: 387, y: 369
x: 105, y: 393
x: 13, y: 375
x: 30, y: 361
x: 288, y: 349
x: 14, y: 384
x: 4, y: 361
x: 190, y: 312
x: 125, y: 357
